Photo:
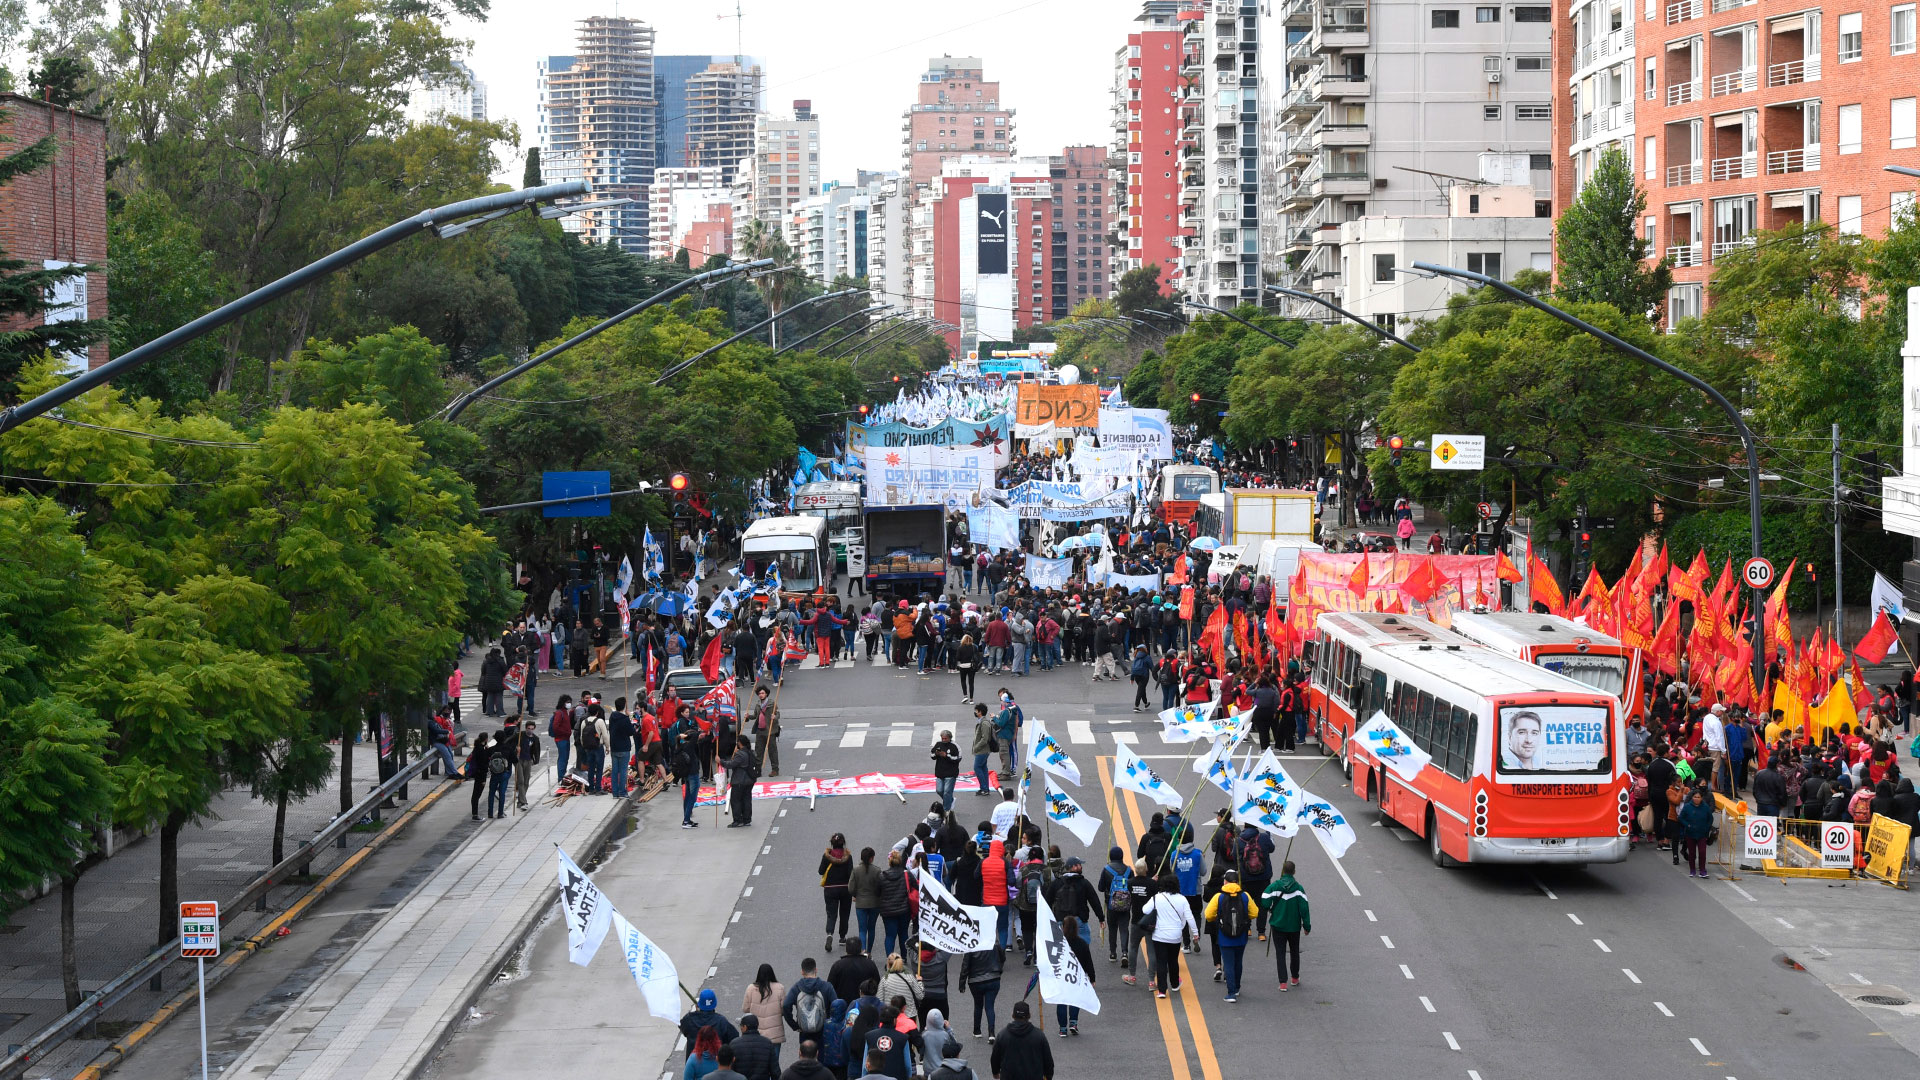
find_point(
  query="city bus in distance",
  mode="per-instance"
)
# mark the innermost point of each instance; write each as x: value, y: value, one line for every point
x: 1179, y: 490
x: 1559, y: 644
x: 1526, y: 763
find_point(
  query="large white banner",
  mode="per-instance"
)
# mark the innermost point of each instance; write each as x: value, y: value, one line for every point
x: 914, y: 475
x: 1134, y: 582
x: 1117, y: 505
x: 1061, y: 980
x: 1141, y: 431
x: 588, y: 913
x: 995, y: 526
x: 1048, y: 573
x: 951, y: 926
x: 1102, y: 463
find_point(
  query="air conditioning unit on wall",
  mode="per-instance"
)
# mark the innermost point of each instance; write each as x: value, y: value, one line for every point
x: 1493, y: 76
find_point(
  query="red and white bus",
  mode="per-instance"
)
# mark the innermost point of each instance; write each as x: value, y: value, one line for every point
x: 1527, y: 764
x: 1581, y: 653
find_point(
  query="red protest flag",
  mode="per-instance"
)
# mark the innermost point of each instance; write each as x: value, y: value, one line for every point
x: 1723, y: 589
x: 1862, y: 693
x: 1393, y: 606
x: 710, y: 659
x: 1540, y: 584
x: 1358, y: 582
x: 1213, y: 638
x: 1879, y: 640
x: 1503, y: 568
x: 1776, y: 625
x: 1689, y: 583
x: 1277, y: 632
x: 1186, y: 603
x: 1651, y: 579
x: 1179, y: 575
x: 1424, y: 581
x: 1665, y: 652
x: 1636, y: 619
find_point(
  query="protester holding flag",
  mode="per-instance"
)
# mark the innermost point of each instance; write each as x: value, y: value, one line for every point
x: 1289, y: 915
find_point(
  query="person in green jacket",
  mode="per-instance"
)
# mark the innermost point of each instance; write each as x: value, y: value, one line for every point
x: 1290, y: 916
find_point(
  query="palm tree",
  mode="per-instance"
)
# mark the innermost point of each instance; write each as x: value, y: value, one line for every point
x: 759, y: 241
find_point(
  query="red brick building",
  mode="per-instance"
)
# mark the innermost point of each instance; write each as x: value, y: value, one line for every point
x: 58, y: 214
x: 1148, y: 123
x: 1739, y: 117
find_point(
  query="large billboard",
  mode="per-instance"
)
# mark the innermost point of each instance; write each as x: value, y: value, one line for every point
x: 992, y: 248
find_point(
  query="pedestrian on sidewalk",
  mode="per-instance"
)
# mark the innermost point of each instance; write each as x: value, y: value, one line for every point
x: 685, y: 762
x: 455, y: 682
x: 1022, y: 1052
x: 1289, y: 914
x: 479, y: 774
x: 620, y: 732
x: 946, y: 768
x: 864, y: 884
x: 560, y: 730
x: 591, y: 731
x: 765, y: 1002
x: 439, y: 738
x: 836, y: 868
x: 1696, y: 823
x: 1233, y: 914
x: 526, y: 752
x: 500, y: 771
x: 703, y: 1016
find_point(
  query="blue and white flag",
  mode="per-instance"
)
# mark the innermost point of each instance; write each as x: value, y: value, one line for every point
x: 1266, y: 797
x: 1390, y: 746
x: 1047, y: 753
x: 1217, y: 765
x: 1130, y: 773
x: 1326, y: 823
x: 773, y: 583
x: 1064, y: 811
x: 653, y: 561
x: 1188, y: 723
x: 1048, y: 573
x: 623, y: 578
x: 652, y: 969
x: 588, y: 913
x: 1056, y: 969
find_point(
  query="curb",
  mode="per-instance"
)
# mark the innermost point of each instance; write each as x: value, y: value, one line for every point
x: 509, y: 944
x: 116, y: 1052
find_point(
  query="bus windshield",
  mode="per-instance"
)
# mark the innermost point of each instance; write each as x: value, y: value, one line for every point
x: 799, y: 570
x: 1607, y: 674
x: 1550, y: 739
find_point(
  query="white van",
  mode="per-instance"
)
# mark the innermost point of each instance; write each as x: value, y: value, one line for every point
x: 798, y: 543
x: 1278, y: 561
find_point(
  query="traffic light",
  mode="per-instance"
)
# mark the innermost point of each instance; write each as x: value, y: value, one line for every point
x: 1194, y: 397
x: 896, y: 378
x: 1586, y: 546
x: 864, y: 410
x: 1395, y: 444
x: 678, y: 482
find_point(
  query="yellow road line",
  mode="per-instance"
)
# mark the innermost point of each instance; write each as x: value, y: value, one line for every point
x: 1196, y: 1021
x: 1169, y: 1030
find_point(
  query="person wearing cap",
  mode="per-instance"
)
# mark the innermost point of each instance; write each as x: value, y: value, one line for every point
x: 1071, y: 894
x: 1021, y: 1051
x: 702, y: 1016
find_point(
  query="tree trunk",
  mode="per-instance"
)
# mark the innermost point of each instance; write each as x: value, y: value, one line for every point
x: 69, y: 960
x: 280, y: 828
x: 169, y: 914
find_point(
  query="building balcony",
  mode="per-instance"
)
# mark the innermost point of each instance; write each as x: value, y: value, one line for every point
x: 1337, y: 87
x: 1684, y: 255
x: 1681, y: 93
x: 1683, y: 175
x: 1728, y: 5
x: 1805, y: 159
x: 1333, y: 35
x: 1733, y: 168
x: 1337, y: 135
x: 1723, y: 247
x: 1599, y: 50
x: 1736, y: 82
x: 1684, y: 10
x: 1343, y: 183
x: 1806, y: 69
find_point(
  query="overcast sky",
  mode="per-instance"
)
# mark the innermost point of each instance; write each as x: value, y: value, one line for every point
x: 858, y: 63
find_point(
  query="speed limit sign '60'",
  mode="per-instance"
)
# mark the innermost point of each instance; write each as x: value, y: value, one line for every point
x: 1836, y: 845
x: 1757, y: 572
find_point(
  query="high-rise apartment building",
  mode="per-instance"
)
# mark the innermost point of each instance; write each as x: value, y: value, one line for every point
x: 1399, y: 110
x: 681, y: 196
x: 1737, y: 119
x: 1220, y: 178
x: 1147, y: 129
x: 723, y: 103
x: 957, y: 113
x: 670, y: 77
x: 1086, y: 214
x: 785, y: 165
x: 460, y: 94
x: 889, y: 206
x: 598, y: 120
x: 817, y: 234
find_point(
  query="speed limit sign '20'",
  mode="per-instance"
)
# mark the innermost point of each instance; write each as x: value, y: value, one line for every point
x: 1757, y: 572
x: 1763, y: 837
x: 1836, y: 845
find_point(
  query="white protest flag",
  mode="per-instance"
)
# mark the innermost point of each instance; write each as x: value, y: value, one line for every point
x: 1062, y: 810
x: 1061, y: 980
x: 1047, y: 753
x: 1217, y: 765
x: 1266, y: 796
x: 588, y: 912
x: 1325, y: 823
x: 659, y: 982
x: 1391, y: 747
x: 951, y: 926
x: 1187, y: 723
x: 1130, y: 773
x: 1888, y: 598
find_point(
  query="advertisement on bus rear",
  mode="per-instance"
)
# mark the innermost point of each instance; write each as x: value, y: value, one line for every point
x: 1538, y: 742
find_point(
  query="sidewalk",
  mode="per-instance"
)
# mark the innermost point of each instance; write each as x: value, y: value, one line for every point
x: 116, y: 907
x: 388, y: 1004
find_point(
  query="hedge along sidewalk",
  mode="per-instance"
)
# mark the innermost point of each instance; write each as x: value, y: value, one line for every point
x: 389, y: 1003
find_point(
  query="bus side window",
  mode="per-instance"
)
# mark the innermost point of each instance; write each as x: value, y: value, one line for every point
x: 1404, y: 699
x: 1362, y: 699
x: 1459, y: 762
x: 1469, y: 739
x: 1422, y: 719
x: 1379, y: 698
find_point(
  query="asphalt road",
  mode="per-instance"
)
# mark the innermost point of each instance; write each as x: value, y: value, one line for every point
x: 1627, y: 969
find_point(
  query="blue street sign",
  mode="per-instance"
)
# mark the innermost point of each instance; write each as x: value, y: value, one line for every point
x: 566, y: 485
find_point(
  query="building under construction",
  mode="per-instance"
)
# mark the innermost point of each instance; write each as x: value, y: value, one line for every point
x: 722, y: 102
x: 599, y: 121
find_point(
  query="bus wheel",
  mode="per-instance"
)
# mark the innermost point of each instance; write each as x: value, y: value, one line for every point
x: 1440, y: 858
x: 1346, y: 761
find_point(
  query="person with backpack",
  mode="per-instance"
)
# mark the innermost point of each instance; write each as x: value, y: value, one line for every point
x: 478, y: 768
x: 1006, y: 731
x: 808, y: 1005
x: 1289, y: 914
x: 591, y: 732
x: 984, y: 744
x: 1254, y: 860
x: 526, y: 752
x: 894, y: 905
x: 500, y: 768
x: 1188, y: 864
x: 1029, y: 880
x: 1167, y: 673
x: 1071, y: 895
x: 560, y: 730
x: 1233, y: 913
x: 1115, y: 877
x: 1140, y: 670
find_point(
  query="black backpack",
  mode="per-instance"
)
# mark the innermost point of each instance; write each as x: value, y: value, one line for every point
x: 590, y: 734
x: 1232, y: 918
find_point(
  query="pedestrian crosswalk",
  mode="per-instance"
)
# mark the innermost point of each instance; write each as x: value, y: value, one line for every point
x: 856, y: 735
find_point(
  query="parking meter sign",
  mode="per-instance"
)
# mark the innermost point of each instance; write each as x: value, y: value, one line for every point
x: 1836, y: 845
x: 1763, y: 838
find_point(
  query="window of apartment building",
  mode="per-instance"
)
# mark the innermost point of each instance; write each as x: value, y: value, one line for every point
x: 1486, y: 14
x: 1484, y: 262
x: 1683, y: 302
x: 1540, y: 162
x: 1900, y: 27
x: 1490, y: 112
x: 1849, y: 129
x: 1900, y: 203
x: 1850, y: 37
x: 1902, y: 117
x: 1533, y: 112
x: 1649, y: 156
x: 1651, y: 81
x: 1384, y: 320
x: 1383, y: 268
x: 1446, y: 18
x: 1533, y: 14
x: 1648, y: 232
x: 1529, y: 63
x: 1849, y: 219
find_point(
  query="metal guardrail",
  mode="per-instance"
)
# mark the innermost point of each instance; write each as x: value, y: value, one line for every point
x: 95, y: 1006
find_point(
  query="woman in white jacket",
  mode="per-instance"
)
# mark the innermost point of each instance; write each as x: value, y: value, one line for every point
x: 1172, y: 916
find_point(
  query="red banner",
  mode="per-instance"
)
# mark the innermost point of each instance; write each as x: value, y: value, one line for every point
x: 1322, y: 583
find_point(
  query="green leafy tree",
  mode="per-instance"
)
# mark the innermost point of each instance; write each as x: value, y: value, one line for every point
x: 1603, y: 256
x: 1144, y: 383
x: 1139, y: 289
x: 161, y: 276
x: 531, y: 177
x: 1203, y: 359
